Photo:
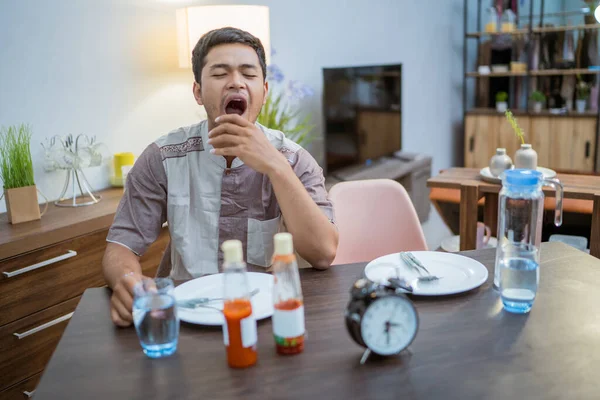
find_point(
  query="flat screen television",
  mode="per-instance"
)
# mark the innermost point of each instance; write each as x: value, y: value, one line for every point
x: 362, y: 109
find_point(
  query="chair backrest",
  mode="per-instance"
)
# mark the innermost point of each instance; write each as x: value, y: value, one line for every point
x: 374, y: 218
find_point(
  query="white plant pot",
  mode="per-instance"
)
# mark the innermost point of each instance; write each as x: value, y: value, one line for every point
x: 501, y: 106
x: 526, y: 157
x: 569, y: 104
x: 537, y: 106
x: 580, y: 105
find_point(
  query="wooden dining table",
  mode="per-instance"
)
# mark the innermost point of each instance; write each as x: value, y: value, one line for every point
x: 467, y: 347
x: 472, y: 188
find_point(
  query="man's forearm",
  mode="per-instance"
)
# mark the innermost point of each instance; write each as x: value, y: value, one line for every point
x: 118, y: 260
x: 315, y: 237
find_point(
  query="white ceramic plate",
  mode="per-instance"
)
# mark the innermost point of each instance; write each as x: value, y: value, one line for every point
x: 212, y: 286
x: 452, y: 244
x: 487, y: 176
x: 460, y: 273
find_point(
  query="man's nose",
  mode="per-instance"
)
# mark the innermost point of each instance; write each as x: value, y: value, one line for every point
x: 237, y: 81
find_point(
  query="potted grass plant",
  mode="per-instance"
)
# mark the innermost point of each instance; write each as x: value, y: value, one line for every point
x: 501, y: 101
x: 538, y: 99
x: 582, y: 92
x: 16, y: 171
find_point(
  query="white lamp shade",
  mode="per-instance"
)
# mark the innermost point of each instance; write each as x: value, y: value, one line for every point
x: 193, y: 22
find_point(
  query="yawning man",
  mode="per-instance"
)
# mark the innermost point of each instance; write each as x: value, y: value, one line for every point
x: 227, y: 177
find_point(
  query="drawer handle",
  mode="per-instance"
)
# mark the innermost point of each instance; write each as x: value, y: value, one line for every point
x: 43, y: 326
x: 29, y: 394
x: 69, y: 254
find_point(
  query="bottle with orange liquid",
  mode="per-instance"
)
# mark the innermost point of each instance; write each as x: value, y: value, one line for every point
x: 239, y: 330
x: 288, y: 315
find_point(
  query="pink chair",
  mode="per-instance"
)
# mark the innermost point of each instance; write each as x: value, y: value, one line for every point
x: 374, y: 218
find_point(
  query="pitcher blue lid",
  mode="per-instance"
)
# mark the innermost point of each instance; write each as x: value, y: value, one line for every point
x: 523, y: 177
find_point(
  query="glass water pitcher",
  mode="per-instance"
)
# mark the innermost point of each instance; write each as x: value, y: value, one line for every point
x: 520, y: 214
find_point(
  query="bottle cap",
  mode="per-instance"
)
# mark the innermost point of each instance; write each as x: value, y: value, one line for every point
x: 283, y: 243
x: 232, y: 251
x: 523, y: 177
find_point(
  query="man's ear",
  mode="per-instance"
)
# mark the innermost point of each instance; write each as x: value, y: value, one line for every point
x: 197, y: 93
x: 266, y: 92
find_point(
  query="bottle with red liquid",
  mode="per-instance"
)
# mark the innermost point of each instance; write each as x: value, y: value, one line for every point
x: 239, y: 329
x: 288, y: 315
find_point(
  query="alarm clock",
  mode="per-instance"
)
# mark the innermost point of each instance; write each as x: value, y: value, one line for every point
x: 380, y: 317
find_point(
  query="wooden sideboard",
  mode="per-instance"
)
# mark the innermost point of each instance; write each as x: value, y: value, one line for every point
x: 45, y: 266
x: 563, y: 143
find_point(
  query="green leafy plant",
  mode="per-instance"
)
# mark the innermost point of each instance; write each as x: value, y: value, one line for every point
x: 537, y: 97
x: 276, y: 114
x: 501, y: 97
x: 515, y: 126
x: 16, y: 166
x: 582, y: 90
x: 281, y: 111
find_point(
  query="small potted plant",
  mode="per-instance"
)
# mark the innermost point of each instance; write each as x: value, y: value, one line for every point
x: 501, y: 101
x: 582, y: 93
x: 538, y: 99
x: 526, y: 157
x: 16, y: 171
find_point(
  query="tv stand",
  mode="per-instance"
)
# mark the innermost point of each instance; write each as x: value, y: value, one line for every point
x: 409, y: 169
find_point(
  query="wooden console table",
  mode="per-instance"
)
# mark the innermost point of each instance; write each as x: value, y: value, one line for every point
x: 472, y: 188
x: 45, y: 266
x: 409, y: 169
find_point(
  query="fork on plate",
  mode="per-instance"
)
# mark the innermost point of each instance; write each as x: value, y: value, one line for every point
x: 410, y: 260
x: 203, y: 301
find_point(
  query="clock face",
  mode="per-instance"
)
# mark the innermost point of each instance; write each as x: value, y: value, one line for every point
x: 389, y: 325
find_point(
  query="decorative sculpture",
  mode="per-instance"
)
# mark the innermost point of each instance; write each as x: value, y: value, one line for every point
x: 74, y: 154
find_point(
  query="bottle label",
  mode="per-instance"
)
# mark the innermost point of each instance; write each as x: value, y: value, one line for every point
x: 225, y: 333
x: 248, y: 328
x: 288, y: 323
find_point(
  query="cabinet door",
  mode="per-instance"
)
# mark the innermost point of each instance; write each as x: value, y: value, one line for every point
x: 508, y: 139
x: 583, y: 144
x: 542, y: 140
x: 480, y: 140
x: 565, y: 143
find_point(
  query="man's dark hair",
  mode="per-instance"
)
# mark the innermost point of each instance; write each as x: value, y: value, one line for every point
x: 220, y: 36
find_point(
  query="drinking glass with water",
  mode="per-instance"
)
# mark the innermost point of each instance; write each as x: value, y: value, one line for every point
x: 520, y: 213
x: 155, y: 316
x: 519, y: 277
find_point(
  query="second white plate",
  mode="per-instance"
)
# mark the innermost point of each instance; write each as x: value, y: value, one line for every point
x: 212, y: 286
x: 459, y: 273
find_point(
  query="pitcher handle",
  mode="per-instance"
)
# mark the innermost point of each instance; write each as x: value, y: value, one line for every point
x: 558, y: 211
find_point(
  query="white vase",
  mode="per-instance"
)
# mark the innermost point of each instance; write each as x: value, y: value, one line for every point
x: 526, y: 157
x: 500, y: 162
x: 537, y: 106
x: 580, y: 105
x: 501, y: 106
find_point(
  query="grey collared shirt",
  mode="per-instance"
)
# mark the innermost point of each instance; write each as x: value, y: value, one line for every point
x: 177, y: 180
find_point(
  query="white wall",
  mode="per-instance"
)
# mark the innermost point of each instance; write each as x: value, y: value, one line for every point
x: 109, y: 68
x: 427, y: 39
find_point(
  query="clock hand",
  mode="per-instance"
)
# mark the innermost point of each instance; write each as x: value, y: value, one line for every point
x: 387, y: 332
x: 394, y: 324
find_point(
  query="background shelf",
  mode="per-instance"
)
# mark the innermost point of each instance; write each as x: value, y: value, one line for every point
x: 541, y: 72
